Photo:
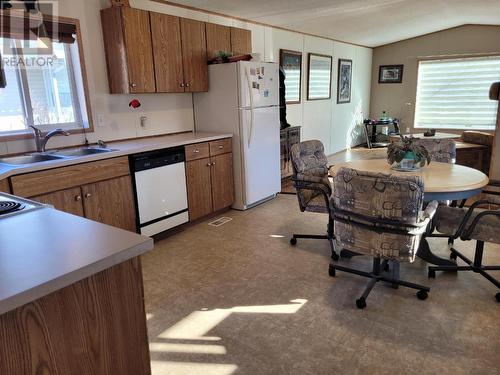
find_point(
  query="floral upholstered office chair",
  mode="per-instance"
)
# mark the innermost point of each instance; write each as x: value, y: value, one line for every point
x: 380, y: 216
x: 440, y: 150
x: 310, y: 177
x: 474, y: 223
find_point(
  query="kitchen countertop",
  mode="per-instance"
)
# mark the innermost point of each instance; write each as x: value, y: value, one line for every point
x: 125, y: 147
x: 45, y: 250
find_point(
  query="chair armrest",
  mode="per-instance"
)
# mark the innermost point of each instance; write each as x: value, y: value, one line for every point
x: 431, y: 210
x: 312, y: 183
x: 466, y: 235
x: 469, y: 214
x: 315, y: 184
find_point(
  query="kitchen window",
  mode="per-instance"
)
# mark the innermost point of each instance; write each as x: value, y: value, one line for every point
x: 44, y: 90
x: 453, y: 93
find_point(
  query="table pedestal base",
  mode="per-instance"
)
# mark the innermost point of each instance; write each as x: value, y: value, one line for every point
x: 425, y: 253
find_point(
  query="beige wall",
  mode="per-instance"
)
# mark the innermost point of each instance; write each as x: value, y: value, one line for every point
x: 399, y: 99
x: 336, y: 125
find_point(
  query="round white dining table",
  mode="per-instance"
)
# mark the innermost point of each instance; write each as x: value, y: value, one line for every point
x: 442, y: 181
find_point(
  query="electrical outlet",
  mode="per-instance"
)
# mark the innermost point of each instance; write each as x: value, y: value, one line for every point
x: 143, y: 120
x: 100, y: 121
x: 408, y: 130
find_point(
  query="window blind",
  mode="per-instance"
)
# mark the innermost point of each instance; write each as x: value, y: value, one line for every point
x: 453, y: 94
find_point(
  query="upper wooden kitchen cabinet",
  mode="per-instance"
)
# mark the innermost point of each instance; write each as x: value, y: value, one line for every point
x: 167, y: 51
x: 218, y: 39
x: 129, y: 51
x: 194, y: 55
x: 241, y: 41
x: 228, y: 39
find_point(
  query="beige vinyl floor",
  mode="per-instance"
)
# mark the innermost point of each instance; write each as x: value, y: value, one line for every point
x: 238, y: 299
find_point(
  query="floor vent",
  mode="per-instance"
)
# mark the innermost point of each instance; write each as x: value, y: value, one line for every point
x: 220, y: 221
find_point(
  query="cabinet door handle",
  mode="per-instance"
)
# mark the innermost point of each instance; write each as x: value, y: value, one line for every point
x: 196, y: 151
x: 221, y: 147
x: 88, y: 195
x: 133, y: 85
x: 213, y: 163
x: 182, y: 85
x: 209, y: 164
x: 78, y: 198
x: 187, y: 84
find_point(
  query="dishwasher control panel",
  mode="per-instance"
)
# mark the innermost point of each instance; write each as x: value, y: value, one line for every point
x: 159, y: 158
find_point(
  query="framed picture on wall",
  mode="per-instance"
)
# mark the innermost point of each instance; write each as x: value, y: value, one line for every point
x: 344, y: 84
x: 291, y: 62
x: 390, y: 74
x: 319, y: 77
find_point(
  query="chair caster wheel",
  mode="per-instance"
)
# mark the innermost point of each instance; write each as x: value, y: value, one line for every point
x: 498, y: 297
x: 331, y: 271
x: 432, y: 274
x: 293, y: 241
x: 335, y: 257
x: 361, y: 303
x: 453, y: 256
x: 422, y: 295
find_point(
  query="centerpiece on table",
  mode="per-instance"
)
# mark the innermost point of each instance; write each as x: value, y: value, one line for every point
x: 407, y: 155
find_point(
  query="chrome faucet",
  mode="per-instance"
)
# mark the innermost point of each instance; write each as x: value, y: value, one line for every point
x: 41, y: 140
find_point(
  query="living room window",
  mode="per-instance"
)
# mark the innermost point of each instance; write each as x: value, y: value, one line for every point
x: 453, y: 93
x: 43, y: 82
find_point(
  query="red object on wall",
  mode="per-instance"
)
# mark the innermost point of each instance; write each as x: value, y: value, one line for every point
x: 134, y: 104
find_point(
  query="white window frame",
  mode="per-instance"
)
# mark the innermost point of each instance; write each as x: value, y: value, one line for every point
x: 22, y: 81
x: 450, y: 127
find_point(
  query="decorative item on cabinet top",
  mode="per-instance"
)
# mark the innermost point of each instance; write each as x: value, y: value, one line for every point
x: 120, y: 3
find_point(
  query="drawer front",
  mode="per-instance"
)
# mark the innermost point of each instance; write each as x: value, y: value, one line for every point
x: 4, y: 186
x: 220, y: 147
x: 50, y: 180
x: 197, y: 151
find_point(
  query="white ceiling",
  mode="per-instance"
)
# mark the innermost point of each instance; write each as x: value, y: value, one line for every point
x: 366, y: 22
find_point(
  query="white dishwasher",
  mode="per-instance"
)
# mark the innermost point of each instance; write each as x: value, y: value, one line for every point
x: 160, y: 189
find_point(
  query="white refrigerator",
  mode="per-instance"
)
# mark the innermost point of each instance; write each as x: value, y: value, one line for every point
x: 243, y: 99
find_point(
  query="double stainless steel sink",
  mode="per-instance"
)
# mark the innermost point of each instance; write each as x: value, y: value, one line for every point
x: 50, y: 156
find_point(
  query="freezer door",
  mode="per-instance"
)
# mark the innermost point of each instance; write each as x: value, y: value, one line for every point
x: 259, y: 84
x: 260, y: 146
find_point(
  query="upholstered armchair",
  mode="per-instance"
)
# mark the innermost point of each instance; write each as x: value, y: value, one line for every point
x: 380, y: 216
x: 310, y: 177
x: 440, y: 150
x: 474, y: 223
x: 484, y: 139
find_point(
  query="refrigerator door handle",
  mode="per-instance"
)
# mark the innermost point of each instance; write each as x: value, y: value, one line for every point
x: 249, y: 83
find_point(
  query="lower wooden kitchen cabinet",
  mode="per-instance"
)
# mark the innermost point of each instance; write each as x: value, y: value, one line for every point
x: 209, y: 176
x: 68, y: 200
x: 222, y: 181
x: 100, y: 191
x: 111, y: 202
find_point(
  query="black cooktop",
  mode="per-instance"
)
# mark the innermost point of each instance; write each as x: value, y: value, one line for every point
x: 7, y: 207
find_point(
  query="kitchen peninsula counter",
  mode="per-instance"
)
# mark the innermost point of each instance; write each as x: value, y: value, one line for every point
x: 71, y: 296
